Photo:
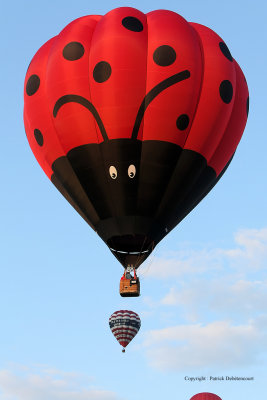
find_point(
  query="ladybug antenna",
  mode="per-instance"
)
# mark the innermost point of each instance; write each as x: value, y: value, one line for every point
x: 74, y: 98
x: 181, y: 76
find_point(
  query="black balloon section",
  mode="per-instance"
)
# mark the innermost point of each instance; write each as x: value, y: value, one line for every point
x: 133, y: 214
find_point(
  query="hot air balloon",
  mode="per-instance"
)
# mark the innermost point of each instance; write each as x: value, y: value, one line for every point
x: 134, y: 117
x: 205, y: 396
x: 124, y: 325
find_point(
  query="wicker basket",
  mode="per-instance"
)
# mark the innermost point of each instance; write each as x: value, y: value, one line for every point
x: 130, y: 287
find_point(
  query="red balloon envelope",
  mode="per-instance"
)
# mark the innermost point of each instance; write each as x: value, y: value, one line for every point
x: 134, y: 117
x: 124, y: 325
x: 205, y: 396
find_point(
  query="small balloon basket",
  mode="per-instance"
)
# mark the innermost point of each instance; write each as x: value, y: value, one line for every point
x: 130, y: 287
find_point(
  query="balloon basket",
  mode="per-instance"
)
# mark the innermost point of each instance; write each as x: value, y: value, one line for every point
x: 123, y: 350
x: 130, y: 287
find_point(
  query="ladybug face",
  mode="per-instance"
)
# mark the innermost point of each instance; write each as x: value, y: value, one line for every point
x: 112, y: 183
x: 134, y: 118
x: 110, y: 170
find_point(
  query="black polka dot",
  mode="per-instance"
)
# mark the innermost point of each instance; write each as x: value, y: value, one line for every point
x: 226, y: 91
x: 225, y: 51
x: 73, y: 51
x: 132, y: 24
x: 247, y: 106
x: 182, y: 122
x: 32, y: 85
x: 164, y: 56
x: 102, y: 71
x: 38, y: 137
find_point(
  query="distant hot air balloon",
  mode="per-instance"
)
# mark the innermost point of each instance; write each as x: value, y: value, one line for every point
x: 124, y: 325
x: 134, y: 117
x: 205, y: 396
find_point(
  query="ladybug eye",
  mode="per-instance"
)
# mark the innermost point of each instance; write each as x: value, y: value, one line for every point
x: 131, y: 171
x: 113, y: 172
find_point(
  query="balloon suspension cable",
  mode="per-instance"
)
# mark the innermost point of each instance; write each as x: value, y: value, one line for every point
x: 152, y: 257
x: 139, y: 255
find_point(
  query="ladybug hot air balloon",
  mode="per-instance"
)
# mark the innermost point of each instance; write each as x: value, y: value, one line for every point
x: 134, y: 117
x: 205, y: 396
x: 124, y: 325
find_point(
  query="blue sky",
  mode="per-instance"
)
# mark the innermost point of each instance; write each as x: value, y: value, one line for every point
x: 204, y: 290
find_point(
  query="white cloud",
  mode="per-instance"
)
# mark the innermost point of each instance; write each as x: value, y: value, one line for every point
x: 215, y: 345
x: 252, y: 248
x: 221, y: 285
x: 24, y: 383
x: 221, y: 281
x: 227, y: 295
x: 249, y: 253
x: 185, y: 262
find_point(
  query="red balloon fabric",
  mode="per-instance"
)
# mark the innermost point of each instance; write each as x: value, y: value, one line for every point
x: 205, y: 396
x: 134, y: 117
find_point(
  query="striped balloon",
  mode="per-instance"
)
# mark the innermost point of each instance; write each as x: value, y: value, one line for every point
x: 205, y: 396
x: 124, y: 325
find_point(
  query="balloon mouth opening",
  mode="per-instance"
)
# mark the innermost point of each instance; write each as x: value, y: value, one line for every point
x: 129, y: 252
x: 130, y: 244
